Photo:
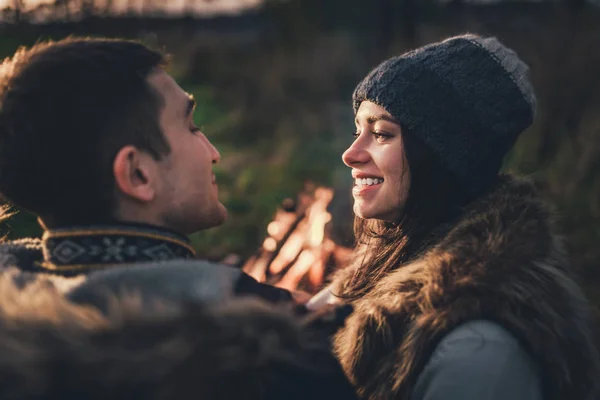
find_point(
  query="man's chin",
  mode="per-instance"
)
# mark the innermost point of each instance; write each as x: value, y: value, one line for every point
x: 218, y: 217
x: 223, y: 213
x: 214, y: 218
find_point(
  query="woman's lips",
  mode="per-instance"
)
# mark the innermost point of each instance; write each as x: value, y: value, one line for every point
x: 361, y: 190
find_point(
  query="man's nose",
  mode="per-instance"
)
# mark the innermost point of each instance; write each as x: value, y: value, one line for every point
x: 214, y: 153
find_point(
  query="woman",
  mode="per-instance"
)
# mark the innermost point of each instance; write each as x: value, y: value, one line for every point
x: 461, y: 288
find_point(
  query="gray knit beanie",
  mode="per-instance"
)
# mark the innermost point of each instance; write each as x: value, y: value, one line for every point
x: 467, y: 98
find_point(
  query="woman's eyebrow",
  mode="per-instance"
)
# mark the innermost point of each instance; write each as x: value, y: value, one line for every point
x: 380, y: 117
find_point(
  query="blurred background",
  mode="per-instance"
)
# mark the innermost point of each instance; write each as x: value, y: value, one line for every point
x: 274, y: 78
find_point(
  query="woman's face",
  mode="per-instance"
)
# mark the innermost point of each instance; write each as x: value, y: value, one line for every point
x: 379, y: 166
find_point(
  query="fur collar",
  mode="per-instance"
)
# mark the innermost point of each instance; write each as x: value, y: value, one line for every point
x: 22, y: 253
x: 502, y: 261
x: 52, y: 349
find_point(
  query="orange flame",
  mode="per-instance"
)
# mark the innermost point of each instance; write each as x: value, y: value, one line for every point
x: 301, y: 237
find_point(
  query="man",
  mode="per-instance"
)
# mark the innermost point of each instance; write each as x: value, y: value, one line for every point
x: 99, y: 142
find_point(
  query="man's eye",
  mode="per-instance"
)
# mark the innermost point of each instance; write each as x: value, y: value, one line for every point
x: 194, y: 129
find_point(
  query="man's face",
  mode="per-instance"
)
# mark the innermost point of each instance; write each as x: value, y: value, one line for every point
x: 187, y: 195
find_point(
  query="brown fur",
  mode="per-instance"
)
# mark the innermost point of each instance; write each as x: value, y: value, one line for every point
x: 245, y: 349
x: 502, y: 261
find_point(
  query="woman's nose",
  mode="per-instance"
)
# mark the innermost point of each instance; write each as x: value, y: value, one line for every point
x: 356, y: 154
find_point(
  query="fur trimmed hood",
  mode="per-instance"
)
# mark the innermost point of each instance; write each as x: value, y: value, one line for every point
x: 501, y: 261
x: 52, y: 349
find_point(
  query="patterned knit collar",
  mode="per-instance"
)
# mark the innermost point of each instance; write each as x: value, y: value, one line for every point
x: 78, y: 250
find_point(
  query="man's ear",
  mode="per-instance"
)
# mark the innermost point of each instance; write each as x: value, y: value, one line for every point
x: 134, y: 172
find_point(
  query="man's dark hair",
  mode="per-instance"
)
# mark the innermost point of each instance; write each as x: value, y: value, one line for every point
x: 66, y: 109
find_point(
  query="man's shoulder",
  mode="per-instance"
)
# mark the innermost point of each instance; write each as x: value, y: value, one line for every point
x: 22, y: 254
x: 192, y: 281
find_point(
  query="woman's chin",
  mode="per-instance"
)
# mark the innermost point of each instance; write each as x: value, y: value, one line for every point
x: 371, y: 213
x: 364, y: 213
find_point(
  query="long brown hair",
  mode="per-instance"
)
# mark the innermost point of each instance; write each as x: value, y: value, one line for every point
x: 434, y: 201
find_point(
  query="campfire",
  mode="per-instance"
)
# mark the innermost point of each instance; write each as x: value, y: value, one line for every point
x: 298, y: 252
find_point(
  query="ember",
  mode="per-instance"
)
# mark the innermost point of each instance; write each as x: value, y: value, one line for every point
x: 298, y: 252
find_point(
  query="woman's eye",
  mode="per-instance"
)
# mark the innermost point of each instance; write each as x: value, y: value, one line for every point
x: 194, y: 129
x: 381, y: 137
x: 356, y: 134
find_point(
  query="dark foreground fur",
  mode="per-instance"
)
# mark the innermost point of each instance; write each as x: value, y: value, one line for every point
x: 51, y: 349
x: 502, y: 261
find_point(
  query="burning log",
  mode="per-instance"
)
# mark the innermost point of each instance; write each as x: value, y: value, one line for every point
x: 298, y: 252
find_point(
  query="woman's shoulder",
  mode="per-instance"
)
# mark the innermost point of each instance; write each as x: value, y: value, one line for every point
x: 479, y: 360
x: 477, y: 333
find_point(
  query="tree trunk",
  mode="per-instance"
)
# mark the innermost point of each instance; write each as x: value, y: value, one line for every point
x: 17, y: 11
x: 575, y: 5
x: 410, y: 19
x: 108, y: 7
x: 87, y: 8
x: 388, y: 23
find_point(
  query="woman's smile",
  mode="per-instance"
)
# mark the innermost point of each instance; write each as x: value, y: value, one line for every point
x: 364, y: 186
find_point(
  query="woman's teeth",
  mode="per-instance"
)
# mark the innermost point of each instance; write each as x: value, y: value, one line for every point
x: 368, y: 181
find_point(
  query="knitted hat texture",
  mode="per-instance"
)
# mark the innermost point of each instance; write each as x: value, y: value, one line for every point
x: 467, y: 98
